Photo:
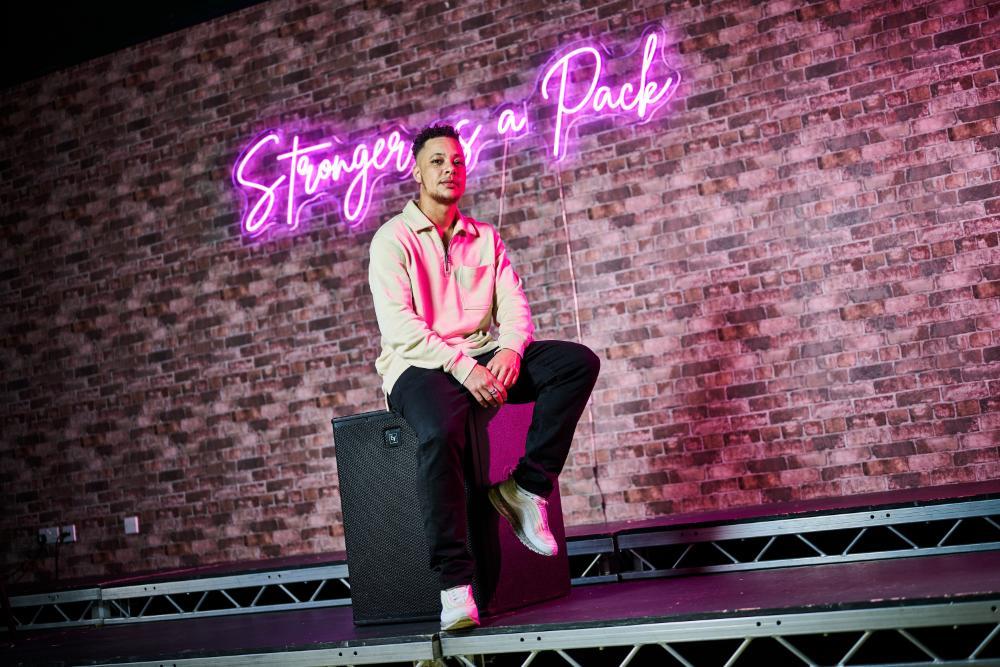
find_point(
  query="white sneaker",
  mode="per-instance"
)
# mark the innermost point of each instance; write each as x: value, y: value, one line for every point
x: 527, y: 514
x: 458, y: 608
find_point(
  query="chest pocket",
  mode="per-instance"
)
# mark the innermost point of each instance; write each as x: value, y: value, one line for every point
x: 476, y: 283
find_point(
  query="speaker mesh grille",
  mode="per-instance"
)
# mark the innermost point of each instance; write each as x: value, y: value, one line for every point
x: 383, y: 528
x: 390, y: 579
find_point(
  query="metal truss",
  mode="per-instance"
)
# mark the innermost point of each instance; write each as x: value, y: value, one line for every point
x: 48, y: 610
x: 769, y: 543
x: 961, y: 633
x: 592, y: 561
x: 325, y: 586
x: 420, y: 652
x: 966, y: 633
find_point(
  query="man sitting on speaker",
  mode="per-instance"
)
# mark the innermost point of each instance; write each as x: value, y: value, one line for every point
x: 439, y: 280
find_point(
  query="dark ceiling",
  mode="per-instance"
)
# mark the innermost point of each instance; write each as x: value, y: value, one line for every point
x: 41, y: 37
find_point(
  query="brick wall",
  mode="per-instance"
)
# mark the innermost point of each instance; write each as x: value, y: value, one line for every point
x: 791, y: 274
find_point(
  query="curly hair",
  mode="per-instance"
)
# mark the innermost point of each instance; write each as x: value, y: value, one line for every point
x: 430, y: 132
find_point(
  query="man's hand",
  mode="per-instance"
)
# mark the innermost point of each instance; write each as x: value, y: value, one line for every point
x: 485, y: 387
x: 506, y: 366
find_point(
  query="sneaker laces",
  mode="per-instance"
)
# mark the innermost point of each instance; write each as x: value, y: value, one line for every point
x: 456, y: 596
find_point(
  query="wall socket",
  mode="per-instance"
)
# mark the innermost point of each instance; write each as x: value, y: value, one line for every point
x: 48, y: 535
x: 51, y: 534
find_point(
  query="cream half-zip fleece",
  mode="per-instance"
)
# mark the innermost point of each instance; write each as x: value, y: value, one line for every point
x: 435, y: 306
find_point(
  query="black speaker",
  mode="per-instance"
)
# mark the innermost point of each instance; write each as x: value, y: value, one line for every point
x: 387, y: 552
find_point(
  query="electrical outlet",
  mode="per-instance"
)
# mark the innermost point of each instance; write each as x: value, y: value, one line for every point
x: 48, y: 535
x: 52, y: 534
x: 131, y: 525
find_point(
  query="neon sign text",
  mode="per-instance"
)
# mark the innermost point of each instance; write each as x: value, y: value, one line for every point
x: 280, y: 176
x: 646, y: 96
x: 307, y: 176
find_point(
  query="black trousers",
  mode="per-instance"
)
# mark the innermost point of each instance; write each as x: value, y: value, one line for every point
x: 557, y: 375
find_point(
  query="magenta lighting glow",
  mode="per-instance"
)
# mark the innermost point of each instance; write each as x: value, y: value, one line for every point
x: 642, y: 99
x: 280, y: 177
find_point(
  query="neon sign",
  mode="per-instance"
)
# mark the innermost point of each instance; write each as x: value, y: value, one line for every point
x: 280, y: 176
x: 646, y: 97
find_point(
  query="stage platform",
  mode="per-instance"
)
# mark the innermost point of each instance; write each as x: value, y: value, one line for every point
x: 901, y: 578
x: 903, y: 524
x: 932, y: 610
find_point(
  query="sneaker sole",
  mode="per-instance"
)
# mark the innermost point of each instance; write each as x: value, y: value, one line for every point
x: 500, y: 505
x: 461, y: 624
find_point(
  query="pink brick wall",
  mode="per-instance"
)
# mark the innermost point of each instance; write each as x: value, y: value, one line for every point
x: 792, y: 275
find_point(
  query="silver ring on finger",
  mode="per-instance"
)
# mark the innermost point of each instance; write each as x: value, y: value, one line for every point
x: 493, y: 392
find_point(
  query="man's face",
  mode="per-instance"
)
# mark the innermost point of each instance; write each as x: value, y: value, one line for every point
x: 440, y: 170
